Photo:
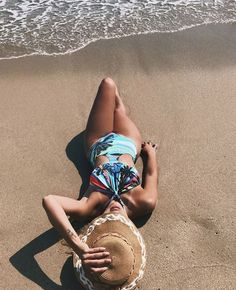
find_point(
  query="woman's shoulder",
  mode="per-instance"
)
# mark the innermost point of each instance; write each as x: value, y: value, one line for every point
x: 136, y: 202
x: 136, y: 192
x: 131, y: 200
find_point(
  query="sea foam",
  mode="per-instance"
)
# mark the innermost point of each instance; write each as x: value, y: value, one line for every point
x: 51, y: 27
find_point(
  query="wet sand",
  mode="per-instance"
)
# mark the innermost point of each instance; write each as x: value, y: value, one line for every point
x: 180, y: 90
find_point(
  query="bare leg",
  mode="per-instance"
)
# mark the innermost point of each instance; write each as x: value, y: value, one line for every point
x: 101, y: 118
x: 124, y: 125
x: 108, y: 114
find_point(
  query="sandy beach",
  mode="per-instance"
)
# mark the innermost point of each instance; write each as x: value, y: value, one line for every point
x: 180, y: 90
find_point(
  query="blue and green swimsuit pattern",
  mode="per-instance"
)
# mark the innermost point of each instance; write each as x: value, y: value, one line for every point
x: 113, y: 178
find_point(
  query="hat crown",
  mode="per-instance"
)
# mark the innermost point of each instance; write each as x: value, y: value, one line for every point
x: 122, y: 258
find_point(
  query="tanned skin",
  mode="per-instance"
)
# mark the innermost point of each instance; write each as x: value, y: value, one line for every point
x: 108, y: 114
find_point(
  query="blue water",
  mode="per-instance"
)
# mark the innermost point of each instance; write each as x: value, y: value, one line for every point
x: 51, y: 27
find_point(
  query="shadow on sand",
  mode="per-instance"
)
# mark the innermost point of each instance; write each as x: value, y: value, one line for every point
x: 24, y: 260
x: 76, y: 153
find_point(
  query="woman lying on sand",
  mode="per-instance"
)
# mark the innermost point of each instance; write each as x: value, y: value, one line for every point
x: 112, y: 145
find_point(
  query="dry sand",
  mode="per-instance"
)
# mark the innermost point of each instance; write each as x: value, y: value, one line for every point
x: 180, y: 89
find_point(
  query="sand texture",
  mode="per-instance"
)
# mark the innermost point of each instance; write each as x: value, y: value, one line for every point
x: 180, y: 90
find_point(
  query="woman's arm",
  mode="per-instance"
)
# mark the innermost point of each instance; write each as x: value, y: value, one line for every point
x: 57, y: 209
x: 146, y: 197
x: 150, y: 170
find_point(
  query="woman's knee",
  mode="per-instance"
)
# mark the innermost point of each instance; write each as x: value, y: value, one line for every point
x: 108, y: 82
x: 107, y: 91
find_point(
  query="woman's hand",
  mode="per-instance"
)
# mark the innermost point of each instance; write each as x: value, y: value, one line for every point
x: 148, y: 148
x: 95, y: 260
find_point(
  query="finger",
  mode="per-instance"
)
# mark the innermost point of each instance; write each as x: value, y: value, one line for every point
x: 99, y: 270
x: 97, y: 263
x: 96, y: 255
x: 96, y: 250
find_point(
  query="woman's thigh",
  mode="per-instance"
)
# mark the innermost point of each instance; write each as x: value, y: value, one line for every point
x: 101, y: 117
x: 125, y: 126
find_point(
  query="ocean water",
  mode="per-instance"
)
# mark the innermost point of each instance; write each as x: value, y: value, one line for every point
x: 51, y: 27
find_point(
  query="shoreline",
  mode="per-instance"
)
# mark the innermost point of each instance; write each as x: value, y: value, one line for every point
x: 180, y: 44
x: 124, y: 37
x: 76, y: 50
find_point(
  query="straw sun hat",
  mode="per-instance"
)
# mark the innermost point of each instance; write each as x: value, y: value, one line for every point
x: 127, y: 252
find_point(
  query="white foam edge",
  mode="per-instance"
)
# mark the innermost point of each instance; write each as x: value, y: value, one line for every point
x: 119, y: 37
